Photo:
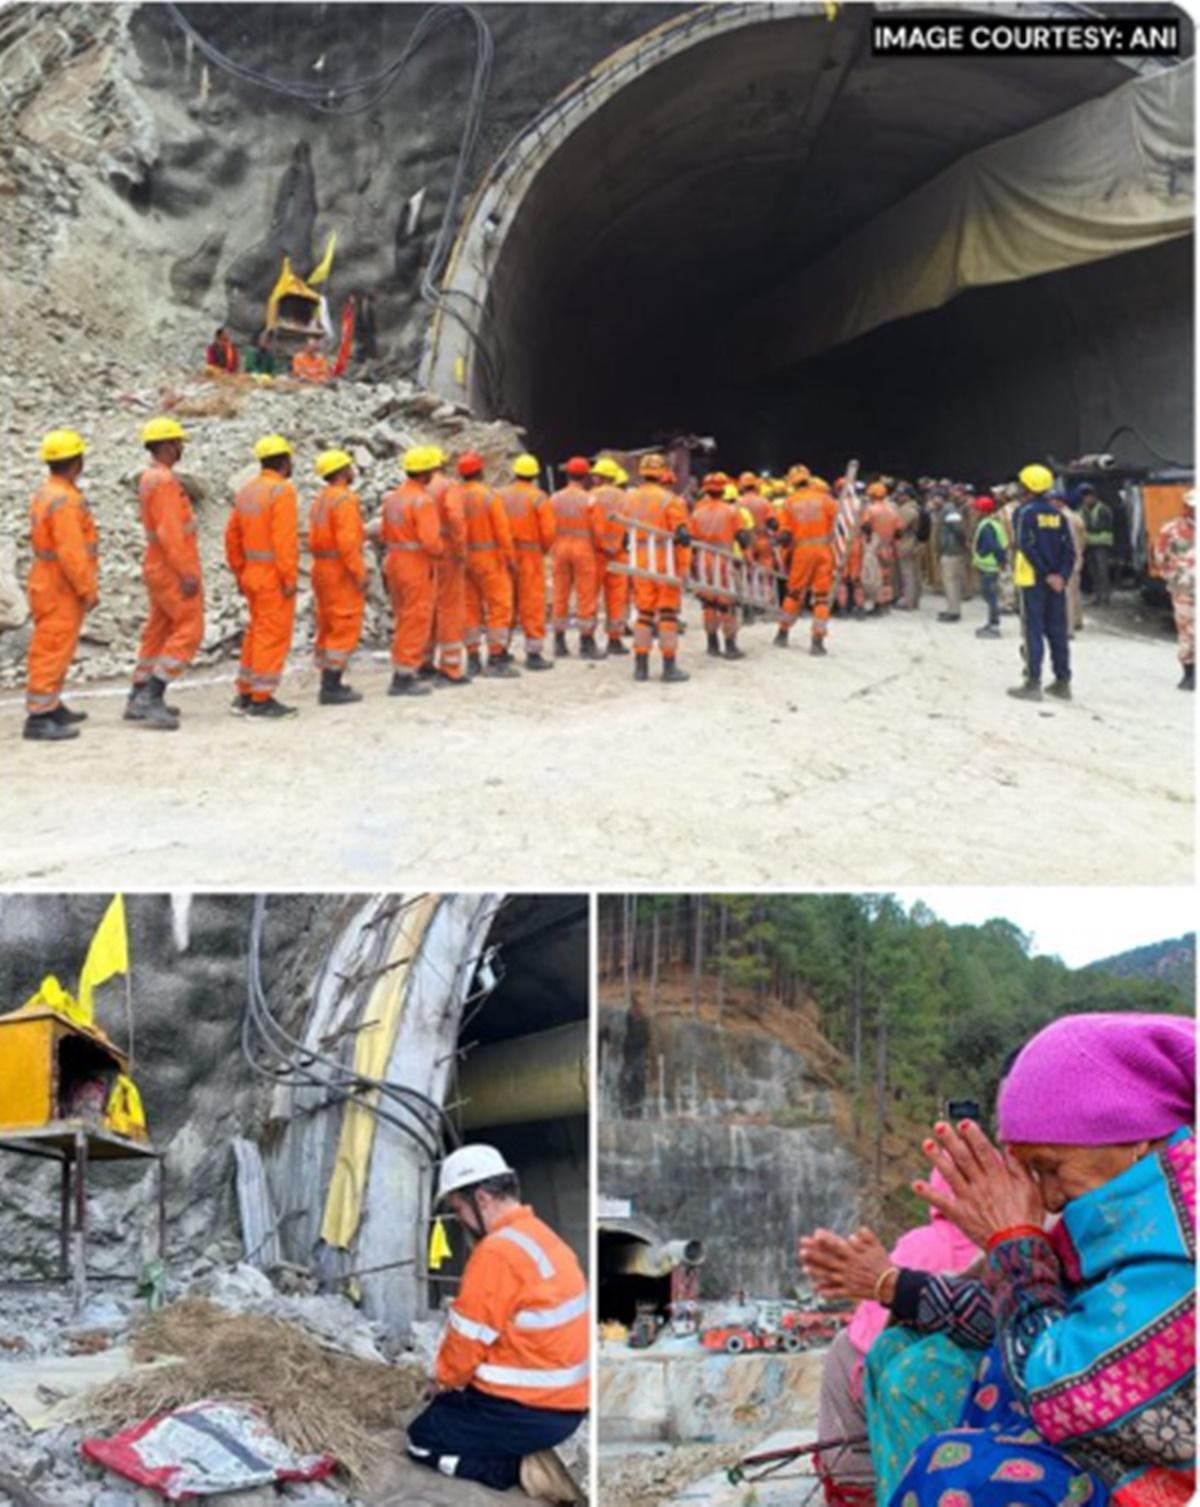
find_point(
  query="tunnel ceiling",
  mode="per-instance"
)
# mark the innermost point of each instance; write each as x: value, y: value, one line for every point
x: 543, y: 941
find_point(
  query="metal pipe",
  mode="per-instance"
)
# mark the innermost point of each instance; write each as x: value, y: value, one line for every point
x: 639, y: 1259
x: 539, y: 1077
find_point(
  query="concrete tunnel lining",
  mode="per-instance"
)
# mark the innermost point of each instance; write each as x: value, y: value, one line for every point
x: 613, y: 253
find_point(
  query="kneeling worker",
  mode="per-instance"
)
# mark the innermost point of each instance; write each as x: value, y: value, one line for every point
x: 511, y: 1373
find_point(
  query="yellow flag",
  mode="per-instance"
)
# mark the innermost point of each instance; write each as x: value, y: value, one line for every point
x: 108, y: 954
x: 439, y: 1246
x: 125, y: 1114
x: 325, y: 266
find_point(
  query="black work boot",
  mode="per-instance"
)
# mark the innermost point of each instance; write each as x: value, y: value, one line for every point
x: 732, y: 651
x: 427, y: 672
x: 589, y: 648
x: 781, y: 638
x: 65, y: 717
x: 641, y: 667
x: 714, y: 645
x: 536, y: 660
x: 158, y: 692
x: 501, y: 667
x: 137, y: 701
x: 240, y: 704
x: 40, y: 727
x: 405, y: 683
x: 474, y: 662
x: 672, y: 672
x: 333, y: 692
x: 1028, y: 690
x: 1061, y: 689
x: 818, y: 646
x: 444, y: 678
x: 1188, y: 681
x: 616, y: 647
x: 148, y: 708
x: 272, y: 709
x: 560, y: 646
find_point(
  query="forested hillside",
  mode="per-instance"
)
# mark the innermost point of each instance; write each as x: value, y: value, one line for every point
x: 1173, y: 961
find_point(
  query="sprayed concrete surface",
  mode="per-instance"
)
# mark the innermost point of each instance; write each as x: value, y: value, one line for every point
x: 897, y: 758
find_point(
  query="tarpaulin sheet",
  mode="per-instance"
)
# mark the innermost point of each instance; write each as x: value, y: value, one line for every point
x: 1112, y: 175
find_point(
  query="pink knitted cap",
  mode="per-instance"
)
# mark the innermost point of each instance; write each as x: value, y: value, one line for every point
x: 1101, y: 1080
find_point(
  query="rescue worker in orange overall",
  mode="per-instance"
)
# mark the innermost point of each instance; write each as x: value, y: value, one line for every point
x: 411, y: 537
x: 171, y: 571
x: 879, y: 524
x: 491, y: 565
x: 262, y: 548
x: 62, y: 586
x: 531, y: 523
x: 809, y: 515
x: 612, y: 588
x: 310, y: 364
x: 339, y: 574
x: 657, y: 602
x: 766, y: 525
x: 445, y: 653
x: 510, y: 1378
x: 718, y: 521
x: 577, y: 542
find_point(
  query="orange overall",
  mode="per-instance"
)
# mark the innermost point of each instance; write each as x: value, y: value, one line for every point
x: 262, y: 548
x: 850, y: 587
x: 339, y: 574
x: 490, y: 565
x: 576, y: 545
x: 446, y: 647
x: 809, y: 516
x: 62, y: 586
x: 881, y: 522
x: 531, y: 522
x: 763, y: 548
x: 612, y: 587
x: 175, y: 626
x: 311, y: 367
x: 715, y: 521
x: 655, y: 506
x: 412, y: 537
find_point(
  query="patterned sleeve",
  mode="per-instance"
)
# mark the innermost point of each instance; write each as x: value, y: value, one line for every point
x: 935, y: 1303
x: 1028, y: 1295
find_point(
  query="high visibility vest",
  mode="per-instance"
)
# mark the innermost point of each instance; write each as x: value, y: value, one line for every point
x: 519, y: 1327
x: 988, y: 564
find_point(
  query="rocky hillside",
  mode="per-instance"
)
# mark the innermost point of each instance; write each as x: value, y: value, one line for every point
x: 1173, y: 961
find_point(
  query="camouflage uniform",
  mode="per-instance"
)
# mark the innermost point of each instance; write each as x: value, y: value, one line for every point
x: 1176, y: 552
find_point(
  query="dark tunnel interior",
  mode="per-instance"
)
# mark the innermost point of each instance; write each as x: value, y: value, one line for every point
x: 747, y: 157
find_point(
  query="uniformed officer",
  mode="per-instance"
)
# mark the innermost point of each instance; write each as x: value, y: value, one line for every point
x: 1045, y: 558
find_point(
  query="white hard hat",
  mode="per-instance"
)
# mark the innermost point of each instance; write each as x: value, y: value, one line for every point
x: 469, y: 1165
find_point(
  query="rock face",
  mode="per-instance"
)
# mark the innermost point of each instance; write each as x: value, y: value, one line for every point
x: 725, y: 1135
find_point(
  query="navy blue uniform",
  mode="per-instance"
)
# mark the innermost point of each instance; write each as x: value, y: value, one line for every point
x: 1044, y: 538
x: 478, y: 1437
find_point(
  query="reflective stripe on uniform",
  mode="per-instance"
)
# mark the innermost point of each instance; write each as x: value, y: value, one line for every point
x: 326, y: 554
x: 484, y: 544
x: 522, y: 1376
x: 472, y: 1329
x: 531, y: 1248
x: 565, y: 527
x: 45, y: 554
x: 260, y: 554
x: 820, y: 539
x: 404, y: 544
x: 528, y: 544
x: 551, y: 1318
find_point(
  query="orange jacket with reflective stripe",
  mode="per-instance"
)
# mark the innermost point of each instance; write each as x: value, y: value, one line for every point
x: 486, y: 517
x: 64, y: 538
x: 810, y: 516
x: 262, y: 535
x: 311, y: 368
x: 410, y: 521
x: 335, y: 529
x: 519, y: 1326
x: 606, y: 501
x: 451, y: 522
x: 574, y: 516
x: 759, y: 509
x: 169, y: 523
x: 530, y: 516
x: 659, y: 508
x: 714, y: 521
x: 882, y: 519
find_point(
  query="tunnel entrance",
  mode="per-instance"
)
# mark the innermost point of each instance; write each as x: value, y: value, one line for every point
x: 618, y: 292
x: 644, y: 1282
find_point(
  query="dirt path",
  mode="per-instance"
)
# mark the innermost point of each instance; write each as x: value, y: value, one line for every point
x: 898, y: 759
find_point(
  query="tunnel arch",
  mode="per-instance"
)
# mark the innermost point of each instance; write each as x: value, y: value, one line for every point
x: 604, y: 260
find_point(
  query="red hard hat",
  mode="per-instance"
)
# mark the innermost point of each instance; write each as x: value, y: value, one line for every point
x: 578, y: 465
x: 985, y: 504
x: 470, y: 464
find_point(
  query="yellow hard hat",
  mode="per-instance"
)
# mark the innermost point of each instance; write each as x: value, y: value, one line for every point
x: 622, y: 477
x: 730, y: 492
x: 271, y: 445
x: 437, y: 457
x: 62, y: 444
x: 331, y: 461
x: 420, y: 459
x: 161, y: 429
x: 1036, y: 478
x: 606, y: 467
x: 652, y: 465
x: 526, y: 465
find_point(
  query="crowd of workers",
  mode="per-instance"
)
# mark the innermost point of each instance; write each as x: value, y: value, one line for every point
x: 464, y: 563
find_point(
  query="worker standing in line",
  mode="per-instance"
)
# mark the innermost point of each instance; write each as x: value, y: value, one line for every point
x: 412, y: 538
x: 577, y: 542
x: 446, y: 651
x: 1045, y: 558
x: 171, y: 571
x: 339, y: 574
x: 1176, y: 555
x: 1098, y: 542
x: 612, y: 588
x: 952, y: 554
x: 262, y: 549
x: 657, y: 602
x: 491, y: 565
x: 810, y: 514
x: 531, y: 523
x: 989, y: 558
x: 880, y: 524
x: 1078, y: 530
x: 752, y: 496
x: 717, y: 521
x: 510, y: 1378
x: 62, y: 585
x: 908, y: 549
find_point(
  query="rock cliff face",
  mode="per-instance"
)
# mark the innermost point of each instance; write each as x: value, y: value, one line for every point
x: 725, y: 1134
